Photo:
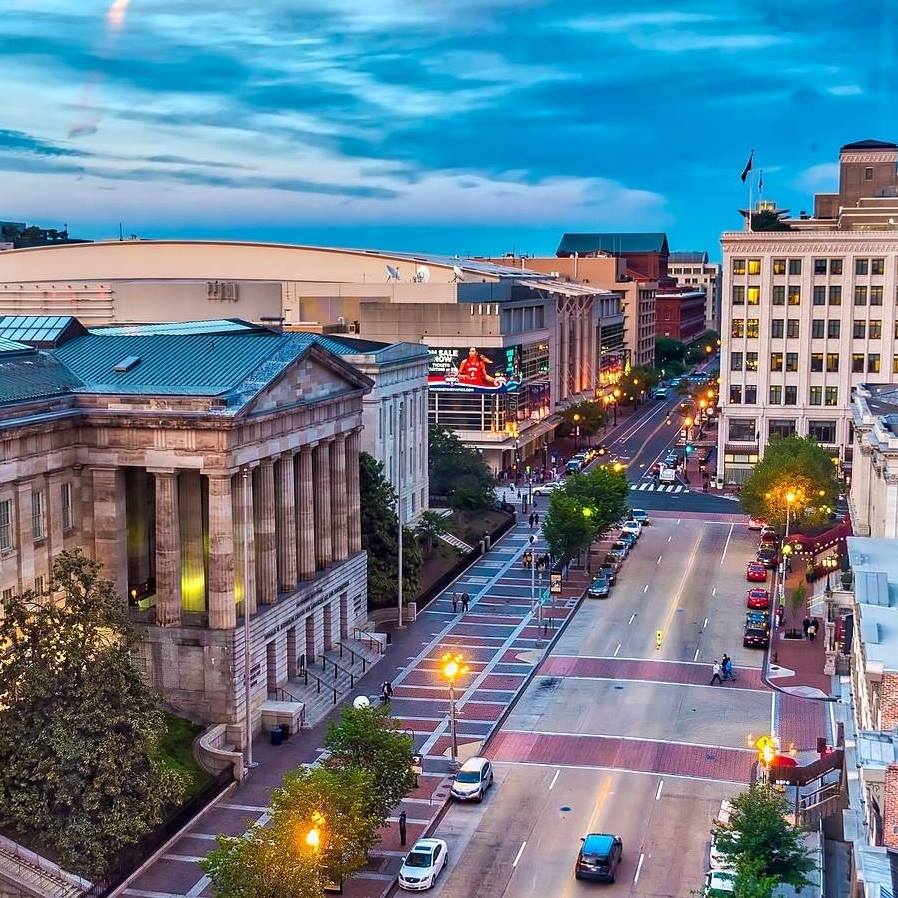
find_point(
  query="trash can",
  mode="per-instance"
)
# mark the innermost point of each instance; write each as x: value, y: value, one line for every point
x: 277, y: 735
x: 285, y: 731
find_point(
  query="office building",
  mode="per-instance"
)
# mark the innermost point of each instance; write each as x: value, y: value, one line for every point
x: 692, y: 269
x: 680, y: 314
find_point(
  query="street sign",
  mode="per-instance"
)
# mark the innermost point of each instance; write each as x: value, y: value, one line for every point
x: 555, y: 581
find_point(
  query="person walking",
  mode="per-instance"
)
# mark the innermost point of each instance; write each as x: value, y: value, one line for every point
x: 536, y: 516
x: 465, y: 599
x: 806, y: 625
x: 386, y: 692
x: 812, y: 630
x: 779, y: 615
x: 454, y: 602
x: 530, y: 520
x: 727, y: 666
x: 715, y: 674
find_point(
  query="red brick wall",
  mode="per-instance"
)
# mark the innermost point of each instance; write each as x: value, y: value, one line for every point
x: 890, y: 808
x: 888, y: 703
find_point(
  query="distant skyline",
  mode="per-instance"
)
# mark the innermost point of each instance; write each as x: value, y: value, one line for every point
x: 451, y: 126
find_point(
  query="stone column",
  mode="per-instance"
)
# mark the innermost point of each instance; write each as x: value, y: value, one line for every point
x: 245, y: 540
x: 305, y: 515
x: 54, y: 512
x: 563, y: 323
x: 222, y: 607
x: 354, y: 509
x: 110, y: 526
x: 339, y: 488
x: 321, y: 470
x: 24, y: 538
x: 168, y: 550
x: 285, y: 506
x: 266, y: 550
x: 575, y: 352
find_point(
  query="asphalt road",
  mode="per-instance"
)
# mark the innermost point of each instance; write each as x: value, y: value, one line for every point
x: 620, y: 731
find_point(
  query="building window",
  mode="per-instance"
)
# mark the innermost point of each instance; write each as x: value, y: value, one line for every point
x: 5, y: 525
x: 790, y: 395
x: 816, y: 362
x: 39, y: 585
x: 868, y: 173
x: 751, y: 328
x: 737, y: 327
x: 832, y: 396
x: 876, y: 295
x: 776, y: 328
x: 895, y: 364
x: 738, y: 295
x: 832, y: 362
x: 779, y: 266
x: 861, y: 266
x: 781, y: 427
x: 819, y: 295
x: 7, y: 596
x: 815, y: 396
x: 835, y: 295
x: 792, y: 327
x: 776, y: 361
x: 822, y: 431
x: 860, y: 295
x: 738, y: 266
x: 874, y: 328
x: 776, y: 395
x: 751, y: 394
x: 818, y: 329
x: 794, y: 266
x: 753, y: 296
x: 743, y: 430
x: 66, y: 506
x: 778, y: 296
x: 794, y: 296
x: 791, y: 361
x: 877, y: 266
x: 754, y: 266
x: 735, y: 394
x: 38, y: 524
x: 819, y: 266
x: 835, y: 266
x: 833, y: 329
x: 735, y: 361
x: 859, y: 329
x: 751, y: 361
x: 873, y: 363
x: 857, y: 363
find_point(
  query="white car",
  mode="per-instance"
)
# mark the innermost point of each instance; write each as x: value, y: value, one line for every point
x: 633, y: 527
x: 546, y: 489
x: 421, y: 866
x: 472, y: 780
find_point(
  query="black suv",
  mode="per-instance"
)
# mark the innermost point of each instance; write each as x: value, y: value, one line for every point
x: 755, y: 637
x: 599, y: 857
x: 767, y: 555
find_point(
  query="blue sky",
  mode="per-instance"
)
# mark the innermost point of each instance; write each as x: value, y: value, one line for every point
x: 459, y: 126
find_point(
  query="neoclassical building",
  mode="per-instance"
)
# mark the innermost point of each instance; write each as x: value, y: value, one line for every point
x: 212, y: 467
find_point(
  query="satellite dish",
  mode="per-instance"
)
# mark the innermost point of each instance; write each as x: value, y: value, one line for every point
x: 459, y: 275
x: 392, y: 273
x: 422, y: 275
x: 360, y: 702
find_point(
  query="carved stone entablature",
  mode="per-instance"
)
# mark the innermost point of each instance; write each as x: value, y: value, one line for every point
x: 866, y: 450
x: 882, y: 156
x: 806, y: 242
x: 890, y: 476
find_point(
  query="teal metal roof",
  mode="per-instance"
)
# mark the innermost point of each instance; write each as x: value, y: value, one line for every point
x: 33, y: 375
x: 211, y: 326
x: 617, y: 244
x: 12, y: 346
x: 338, y: 344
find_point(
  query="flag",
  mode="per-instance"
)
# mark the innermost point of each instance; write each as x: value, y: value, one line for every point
x: 747, y: 168
x: 760, y: 182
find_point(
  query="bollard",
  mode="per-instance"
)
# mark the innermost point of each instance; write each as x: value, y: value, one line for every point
x: 402, y: 833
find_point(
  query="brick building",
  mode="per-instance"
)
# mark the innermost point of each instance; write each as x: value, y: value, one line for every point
x: 692, y: 269
x: 680, y: 314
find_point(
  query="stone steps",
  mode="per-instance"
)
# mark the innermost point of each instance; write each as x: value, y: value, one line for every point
x: 32, y: 879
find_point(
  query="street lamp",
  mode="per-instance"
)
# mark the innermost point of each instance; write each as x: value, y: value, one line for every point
x: 577, y: 431
x: 453, y: 666
x: 313, y: 836
x: 790, y: 499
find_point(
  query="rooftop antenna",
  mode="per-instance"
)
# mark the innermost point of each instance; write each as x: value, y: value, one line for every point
x: 422, y: 274
x: 392, y: 273
x: 121, y: 235
x: 457, y: 274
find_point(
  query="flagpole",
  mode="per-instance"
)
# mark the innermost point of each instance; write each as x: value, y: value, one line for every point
x: 751, y: 178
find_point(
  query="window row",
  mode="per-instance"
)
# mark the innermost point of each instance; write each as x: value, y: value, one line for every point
x: 748, y: 395
x: 821, y: 296
x: 861, y: 329
x: 38, y: 516
x: 821, y: 266
x: 744, y: 430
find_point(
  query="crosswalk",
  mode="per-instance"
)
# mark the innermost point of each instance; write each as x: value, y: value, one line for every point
x: 659, y: 487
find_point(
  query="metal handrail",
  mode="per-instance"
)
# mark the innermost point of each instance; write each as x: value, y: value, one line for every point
x: 304, y: 673
x: 337, y: 668
x: 354, y: 657
x: 359, y: 635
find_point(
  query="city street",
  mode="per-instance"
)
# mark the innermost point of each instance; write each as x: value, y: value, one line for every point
x: 617, y: 734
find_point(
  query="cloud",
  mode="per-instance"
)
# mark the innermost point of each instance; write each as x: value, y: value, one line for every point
x: 845, y: 90
x: 20, y: 142
x: 820, y: 178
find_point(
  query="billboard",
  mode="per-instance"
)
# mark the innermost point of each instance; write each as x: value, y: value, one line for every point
x: 472, y: 371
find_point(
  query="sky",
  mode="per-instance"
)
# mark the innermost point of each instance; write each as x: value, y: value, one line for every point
x: 451, y: 126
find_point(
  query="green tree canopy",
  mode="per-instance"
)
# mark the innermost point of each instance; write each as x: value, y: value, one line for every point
x: 797, y: 474
x: 603, y: 491
x: 759, y: 842
x: 371, y: 739
x: 79, y: 729
x: 668, y: 350
x: 430, y: 527
x: 567, y: 530
x: 637, y: 381
x: 380, y: 538
x: 590, y: 419
x: 458, y: 472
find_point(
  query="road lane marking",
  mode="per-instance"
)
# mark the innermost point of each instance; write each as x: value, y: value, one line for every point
x: 705, y: 624
x: 605, y: 658
x: 617, y: 649
x: 517, y: 857
x: 714, y: 591
x: 554, y: 779
x: 659, y: 559
x: 670, y: 776
x: 632, y: 618
x: 660, y: 787
x: 645, y: 588
x: 669, y: 538
x: 638, y: 868
x: 679, y: 519
x: 727, y: 544
x: 695, y: 656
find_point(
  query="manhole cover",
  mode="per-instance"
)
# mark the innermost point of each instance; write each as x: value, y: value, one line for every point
x: 618, y: 687
x: 565, y: 809
x: 710, y: 756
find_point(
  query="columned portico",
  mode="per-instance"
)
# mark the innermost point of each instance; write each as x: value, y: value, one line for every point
x: 338, y: 498
x: 266, y: 549
x: 323, y: 536
x: 168, y: 550
x: 305, y: 514
x: 222, y: 608
x: 353, y: 442
x: 285, y: 500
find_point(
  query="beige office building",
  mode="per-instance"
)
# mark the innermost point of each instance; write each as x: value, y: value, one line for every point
x: 694, y: 270
x: 808, y: 313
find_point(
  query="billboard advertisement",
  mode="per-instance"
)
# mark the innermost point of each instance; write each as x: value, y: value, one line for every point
x: 474, y: 371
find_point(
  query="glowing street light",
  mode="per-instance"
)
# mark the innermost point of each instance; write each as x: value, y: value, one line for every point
x: 618, y: 467
x: 453, y: 666
x: 313, y: 836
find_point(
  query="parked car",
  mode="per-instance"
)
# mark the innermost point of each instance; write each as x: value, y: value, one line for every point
x: 638, y: 514
x: 633, y: 527
x: 767, y: 554
x: 716, y: 859
x: 474, y: 777
x: 421, y: 866
x: 599, y: 857
x: 628, y: 537
x: 768, y: 534
x: 756, y: 523
x: 719, y: 884
x: 621, y: 546
x: 608, y: 569
x: 757, y: 619
x: 755, y: 637
x: 758, y: 599
x: 546, y: 489
x: 575, y: 465
x: 600, y: 588
x: 755, y: 572
x: 616, y: 556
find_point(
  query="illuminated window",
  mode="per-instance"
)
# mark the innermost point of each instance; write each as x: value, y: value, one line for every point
x: 754, y: 266
x: 751, y: 327
x: 779, y: 266
x: 738, y: 266
x: 753, y: 296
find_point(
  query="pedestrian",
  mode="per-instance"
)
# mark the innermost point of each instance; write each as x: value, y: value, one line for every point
x: 727, y: 666
x: 779, y: 615
x: 806, y: 625
x: 402, y: 828
x: 454, y: 602
x: 530, y: 520
x: 812, y: 631
x: 535, y: 514
x: 386, y: 690
x: 465, y: 599
x: 715, y: 673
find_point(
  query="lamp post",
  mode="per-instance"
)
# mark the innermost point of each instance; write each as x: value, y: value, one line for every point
x: 576, y: 432
x: 313, y: 836
x: 453, y: 667
x: 532, y: 574
x: 614, y: 401
x: 790, y: 499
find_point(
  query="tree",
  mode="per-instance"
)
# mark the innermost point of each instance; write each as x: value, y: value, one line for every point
x: 321, y: 830
x: 458, y: 472
x: 79, y: 729
x: 769, y: 220
x: 431, y: 526
x: 668, y: 350
x: 797, y: 599
x: 590, y: 419
x: 637, y: 381
x: 380, y: 538
x: 759, y: 842
x: 567, y: 530
x: 751, y: 882
x: 795, y: 476
x: 604, y: 492
x: 370, y: 739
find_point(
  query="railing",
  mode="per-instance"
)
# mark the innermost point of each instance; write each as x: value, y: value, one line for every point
x: 29, y: 866
x: 360, y: 634
x: 337, y: 668
x: 354, y: 657
x: 304, y: 673
x: 281, y: 695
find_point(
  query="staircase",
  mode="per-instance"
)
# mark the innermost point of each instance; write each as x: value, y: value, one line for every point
x: 24, y: 873
x: 331, y: 677
x: 455, y: 542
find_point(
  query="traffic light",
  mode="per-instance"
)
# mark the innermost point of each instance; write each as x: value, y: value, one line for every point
x: 689, y: 448
x: 528, y: 470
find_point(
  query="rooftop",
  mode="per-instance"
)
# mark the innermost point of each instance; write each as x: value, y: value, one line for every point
x: 614, y: 244
x: 694, y: 258
x: 875, y: 566
x: 870, y: 144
